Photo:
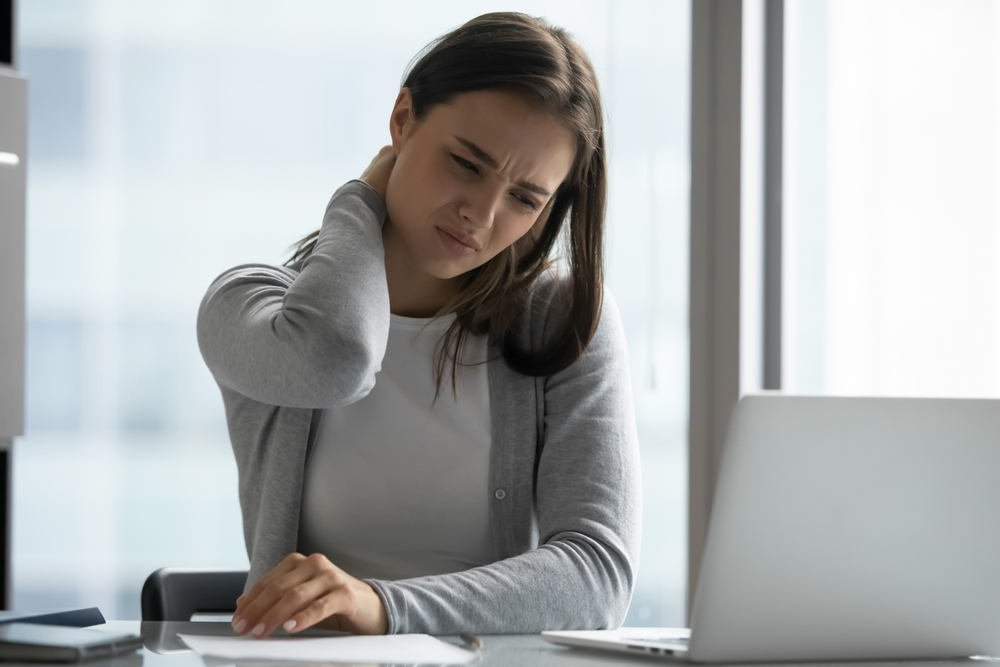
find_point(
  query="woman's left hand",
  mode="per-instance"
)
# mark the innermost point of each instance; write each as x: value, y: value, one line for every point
x: 305, y: 591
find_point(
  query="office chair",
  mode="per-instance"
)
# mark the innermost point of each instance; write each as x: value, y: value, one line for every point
x: 176, y: 593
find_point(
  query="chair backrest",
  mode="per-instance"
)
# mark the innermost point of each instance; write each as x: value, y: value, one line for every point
x: 175, y: 593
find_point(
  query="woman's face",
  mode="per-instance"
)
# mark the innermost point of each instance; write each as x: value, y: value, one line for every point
x: 471, y: 178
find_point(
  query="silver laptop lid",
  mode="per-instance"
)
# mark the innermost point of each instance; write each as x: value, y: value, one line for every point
x: 853, y: 528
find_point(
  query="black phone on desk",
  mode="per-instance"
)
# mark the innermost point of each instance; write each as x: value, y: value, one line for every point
x: 29, y: 642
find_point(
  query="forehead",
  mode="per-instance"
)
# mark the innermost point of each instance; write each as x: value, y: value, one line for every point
x: 523, y: 139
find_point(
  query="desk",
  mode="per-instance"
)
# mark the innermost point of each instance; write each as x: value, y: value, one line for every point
x: 163, y: 649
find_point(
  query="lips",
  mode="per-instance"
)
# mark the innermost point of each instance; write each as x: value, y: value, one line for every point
x: 465, y: 239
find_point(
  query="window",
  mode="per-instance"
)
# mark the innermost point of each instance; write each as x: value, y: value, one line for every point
x: 171, y: 142
x: 891, y: 212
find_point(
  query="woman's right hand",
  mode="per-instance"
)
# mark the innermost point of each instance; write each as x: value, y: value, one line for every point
x: 377, y: 173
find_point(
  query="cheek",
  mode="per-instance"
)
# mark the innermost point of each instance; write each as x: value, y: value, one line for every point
x: 508, y: 230
x: 417, y: 188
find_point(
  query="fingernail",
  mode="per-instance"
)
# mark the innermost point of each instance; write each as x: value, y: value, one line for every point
x: 259, y: 630
x: 289, y: 625
x: 241, y: 625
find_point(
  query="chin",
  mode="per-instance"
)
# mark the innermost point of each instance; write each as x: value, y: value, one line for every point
x: 446, y: 270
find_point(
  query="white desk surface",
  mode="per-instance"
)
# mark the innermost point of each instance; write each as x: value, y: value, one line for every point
x: 163, y: 649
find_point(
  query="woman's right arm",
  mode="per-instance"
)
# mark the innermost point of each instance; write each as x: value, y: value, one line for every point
x: 313, y: 339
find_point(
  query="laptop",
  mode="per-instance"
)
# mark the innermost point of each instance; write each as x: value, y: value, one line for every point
x: 844, y: 529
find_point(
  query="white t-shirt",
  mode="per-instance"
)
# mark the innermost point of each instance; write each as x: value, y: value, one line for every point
x: 397, y: 485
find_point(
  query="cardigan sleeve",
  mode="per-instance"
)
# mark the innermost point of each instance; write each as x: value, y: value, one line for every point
x: 588, y: 510
x: 308, y: 339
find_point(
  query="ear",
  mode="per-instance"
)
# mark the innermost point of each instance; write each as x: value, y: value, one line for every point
x: 402, y: 119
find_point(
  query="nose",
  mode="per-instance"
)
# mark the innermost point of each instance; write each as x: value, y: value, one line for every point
x: 480, y: 206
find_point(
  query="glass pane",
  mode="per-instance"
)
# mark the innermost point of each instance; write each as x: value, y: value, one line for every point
x: 175, y: 141
x: 892, y: 281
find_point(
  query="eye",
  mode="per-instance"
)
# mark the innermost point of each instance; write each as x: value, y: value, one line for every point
x: 526, y: 202
x: 465, y: 164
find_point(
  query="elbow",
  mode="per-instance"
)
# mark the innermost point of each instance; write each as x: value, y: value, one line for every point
x: 606, y: 585
x: 338, y: 357
x: 275, y: 346
x: 353, y: 377
x: 607, y: 602
x: 619, y: 606
x: 206, y: 333
x: 618, y: 567
x: 291, y: 363
x: 620, y: 588
x: 331, y: 366
x: 332, y: 369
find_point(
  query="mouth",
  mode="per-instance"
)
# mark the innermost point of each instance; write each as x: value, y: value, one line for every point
x: 459, y: 244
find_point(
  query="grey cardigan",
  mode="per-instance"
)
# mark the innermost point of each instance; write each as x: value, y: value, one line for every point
x: 564, y: 478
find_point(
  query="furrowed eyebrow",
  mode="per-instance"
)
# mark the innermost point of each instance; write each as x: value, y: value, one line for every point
x: 484, y: 157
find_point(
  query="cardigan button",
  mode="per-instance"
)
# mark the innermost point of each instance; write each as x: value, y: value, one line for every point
x: 500, y: 494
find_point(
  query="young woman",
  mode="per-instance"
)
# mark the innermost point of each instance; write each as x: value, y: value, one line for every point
x: 433, y: 426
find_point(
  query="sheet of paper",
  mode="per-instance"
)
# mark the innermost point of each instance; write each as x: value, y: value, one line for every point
x: 407, y: 649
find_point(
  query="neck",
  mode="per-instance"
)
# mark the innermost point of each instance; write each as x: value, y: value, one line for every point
x: 412, y: 291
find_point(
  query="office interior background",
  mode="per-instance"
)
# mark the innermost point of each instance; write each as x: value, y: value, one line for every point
x: 170, y: 141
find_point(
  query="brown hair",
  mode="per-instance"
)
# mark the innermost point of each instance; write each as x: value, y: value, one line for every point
x: 526, y: 55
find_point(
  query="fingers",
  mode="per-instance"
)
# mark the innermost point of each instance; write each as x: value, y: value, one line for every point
x: 308, y: 604
x: 317, y: 594
x: 285, y: 566
x: 250, y: 607
x: 283, y: 592
x: 302, y: 591
x: 378, y: 172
